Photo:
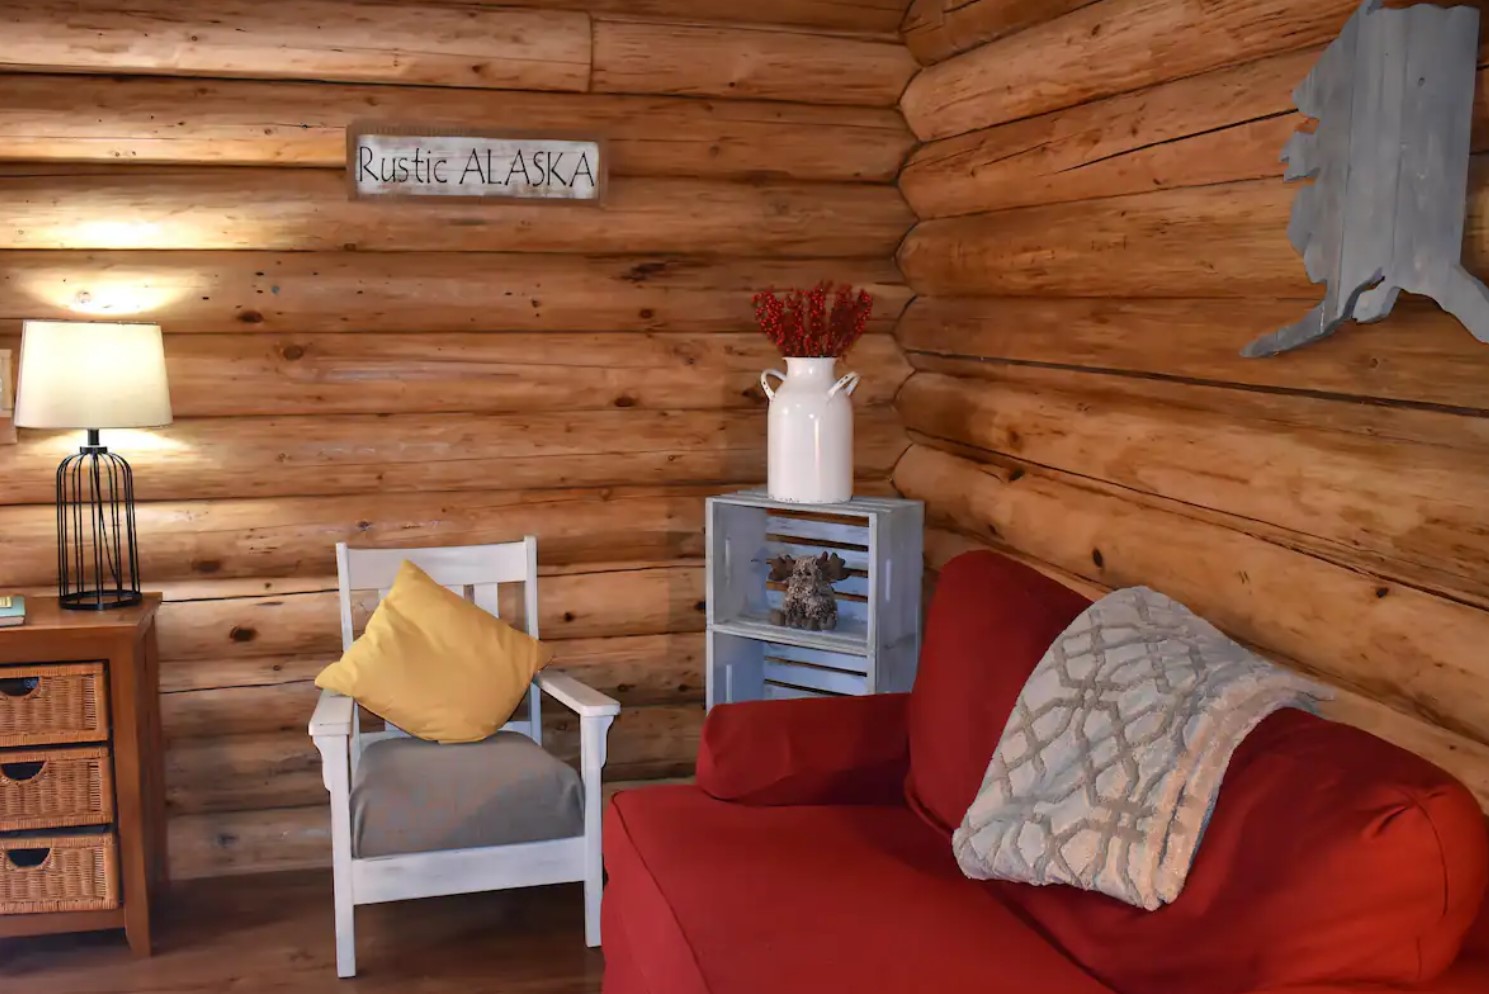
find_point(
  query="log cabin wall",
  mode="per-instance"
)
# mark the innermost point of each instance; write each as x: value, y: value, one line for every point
x: 1103, y: 226
x: 431, y: 373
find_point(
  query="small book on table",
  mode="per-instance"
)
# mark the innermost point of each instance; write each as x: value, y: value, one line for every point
x: 12, y: 610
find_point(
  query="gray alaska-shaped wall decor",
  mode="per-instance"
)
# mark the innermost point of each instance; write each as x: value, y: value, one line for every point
x: 1393, y: 96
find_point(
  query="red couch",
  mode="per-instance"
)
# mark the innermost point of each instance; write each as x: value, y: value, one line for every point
x: 814, y: 853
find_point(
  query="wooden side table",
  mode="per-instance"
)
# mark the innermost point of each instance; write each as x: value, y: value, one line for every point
x: 124, y: 641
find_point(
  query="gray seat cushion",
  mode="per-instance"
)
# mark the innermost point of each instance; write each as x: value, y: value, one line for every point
x: 411, y: 796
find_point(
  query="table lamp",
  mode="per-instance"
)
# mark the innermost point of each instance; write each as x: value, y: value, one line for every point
x: 76, y: 374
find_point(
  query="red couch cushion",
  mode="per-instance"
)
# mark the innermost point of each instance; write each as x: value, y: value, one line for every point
x: 990, y: 621
x: 711, y: 897
x: 829, y: 750
x: 1331, y: 857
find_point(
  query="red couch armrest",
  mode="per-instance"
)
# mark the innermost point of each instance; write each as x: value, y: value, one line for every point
x: 840, y: 750
x: 1477, y: 940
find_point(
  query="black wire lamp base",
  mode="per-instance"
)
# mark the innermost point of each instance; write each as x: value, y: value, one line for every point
x: 98, y: 566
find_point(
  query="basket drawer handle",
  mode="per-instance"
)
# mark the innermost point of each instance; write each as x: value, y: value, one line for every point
x: 27, y: 859
x: 19, y: 686
x: 21, y: 772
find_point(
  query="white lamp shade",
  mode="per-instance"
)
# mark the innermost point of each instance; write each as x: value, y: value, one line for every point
x: 77, y: 374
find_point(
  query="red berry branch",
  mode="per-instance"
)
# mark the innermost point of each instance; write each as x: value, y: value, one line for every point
x: 800, y: 323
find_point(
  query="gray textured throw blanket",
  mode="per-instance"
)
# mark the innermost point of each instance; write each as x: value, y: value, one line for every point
x: 1113, y: 756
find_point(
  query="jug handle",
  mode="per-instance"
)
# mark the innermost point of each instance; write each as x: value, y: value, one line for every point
x: 847, y: 385
x: 765, y: 383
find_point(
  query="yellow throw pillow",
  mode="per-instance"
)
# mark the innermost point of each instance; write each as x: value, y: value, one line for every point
x: 436, y: 665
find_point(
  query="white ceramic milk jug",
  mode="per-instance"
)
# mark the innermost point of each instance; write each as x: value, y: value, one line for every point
x: 810, y: 450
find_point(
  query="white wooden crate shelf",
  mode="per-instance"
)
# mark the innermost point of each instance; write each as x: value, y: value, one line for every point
x: 877, y: 642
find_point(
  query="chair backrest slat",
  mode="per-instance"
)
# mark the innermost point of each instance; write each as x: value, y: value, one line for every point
x: 452, y: 566
x: 474, y: 572
x: 486, y: 596
x: 530, y: 596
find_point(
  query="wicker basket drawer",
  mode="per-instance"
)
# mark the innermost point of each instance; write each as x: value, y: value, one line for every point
x: 56, y: 788
x: 47, y: 704
x: 75, y: 871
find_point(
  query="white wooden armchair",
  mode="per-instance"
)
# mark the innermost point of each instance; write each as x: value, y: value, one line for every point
x: 363, y: 878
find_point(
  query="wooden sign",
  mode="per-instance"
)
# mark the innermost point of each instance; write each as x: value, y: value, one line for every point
x: 1389, y: 160
x: 397, y: 162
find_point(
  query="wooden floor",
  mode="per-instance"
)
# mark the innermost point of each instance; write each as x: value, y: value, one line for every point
x: 272, y: 935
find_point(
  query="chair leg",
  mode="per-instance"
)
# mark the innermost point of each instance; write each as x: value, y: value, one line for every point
x: 334, y: 772
x: 594, y: 888
x: 592, y: 732
x: 346, y: 929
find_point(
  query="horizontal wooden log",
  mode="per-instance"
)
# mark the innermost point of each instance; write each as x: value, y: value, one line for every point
x: 213, y: 458
x: 879, y: 17
x: 247, y: 122
x: 1214, y: 241
x: 271, y: 840
x: 209, y: 588
x: 1464, y: 432
x: 235, y: 712
x: 646, y: 743
x: 1219, y: 127
x: 182, y: 676
x: 1105, y: 48
x: 967, y: 176
x: 1414, y: 651
x: 318, y: 39
x: 943, y: 544
x: 308, y: 292
x: 264, y: 841
x: 283, y: 536
x: 1420, y: 355
x: 1354, y: 492
x: 203, y: 643
x: 1462, y: 757
x: 50, y: 206
x: 773, y: 64
x: 283, y: 769
x: 200, y: 639
x: 638, y: 670
x: 327, y: 374
x: 245, y: 772
x: 935, y: 30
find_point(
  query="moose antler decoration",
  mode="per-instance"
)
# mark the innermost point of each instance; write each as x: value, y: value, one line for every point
x: 810, y: 602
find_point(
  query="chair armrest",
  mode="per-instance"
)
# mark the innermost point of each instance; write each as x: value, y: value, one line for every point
x: 333, y: 714
x: 843, y: 750
x: 583, y: 700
